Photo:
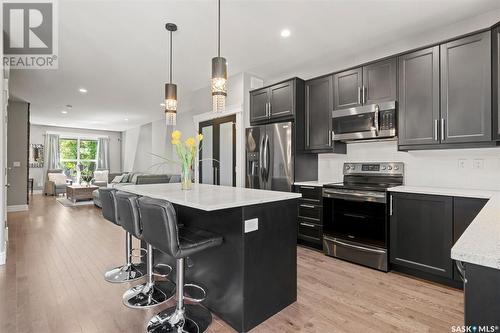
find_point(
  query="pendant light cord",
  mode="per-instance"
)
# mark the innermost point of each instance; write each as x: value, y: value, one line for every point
x: 171, y: 56
x: 218, y: 31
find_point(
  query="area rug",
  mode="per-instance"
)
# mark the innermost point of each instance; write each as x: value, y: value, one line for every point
x: 69, y: 203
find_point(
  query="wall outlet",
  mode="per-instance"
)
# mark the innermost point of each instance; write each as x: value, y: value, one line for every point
x: 478, y: 164
x: 462, y: 163
x: 16, y: 164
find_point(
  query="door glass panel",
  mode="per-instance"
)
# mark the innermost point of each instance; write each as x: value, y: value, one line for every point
x: 226, y: 153
x: 207, y: 175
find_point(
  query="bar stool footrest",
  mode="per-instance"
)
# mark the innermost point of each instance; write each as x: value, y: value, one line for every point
x: 142, y: 252
x: 194, y: 293
x: 162, y: 270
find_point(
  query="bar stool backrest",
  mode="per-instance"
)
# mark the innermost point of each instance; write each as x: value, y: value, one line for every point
x: 127, y: 213
x: 108, y: 202
x: 159, y: 225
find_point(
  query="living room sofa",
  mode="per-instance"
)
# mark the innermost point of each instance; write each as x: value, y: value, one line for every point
x: 136, y: 179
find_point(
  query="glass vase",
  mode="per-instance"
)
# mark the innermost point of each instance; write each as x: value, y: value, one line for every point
x: 186, y: 178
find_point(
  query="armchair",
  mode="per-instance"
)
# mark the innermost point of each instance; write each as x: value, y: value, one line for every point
x: 52, y: 187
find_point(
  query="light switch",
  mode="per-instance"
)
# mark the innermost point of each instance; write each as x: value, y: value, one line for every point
x: 251, y: 225
x: 461, y: 163
x: 16, y: 164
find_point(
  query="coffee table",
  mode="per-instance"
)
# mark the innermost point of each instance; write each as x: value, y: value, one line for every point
x: 80, y: 192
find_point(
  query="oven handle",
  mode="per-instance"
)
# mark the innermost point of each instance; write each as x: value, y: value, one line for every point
x: 357, y: 247
x: 354, y: 215
x: 353, y: 196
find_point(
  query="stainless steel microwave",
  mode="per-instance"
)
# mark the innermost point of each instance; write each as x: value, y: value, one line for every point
x: 375, y: 121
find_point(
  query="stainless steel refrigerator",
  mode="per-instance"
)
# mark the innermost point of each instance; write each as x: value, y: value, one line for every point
x: 272, y: 161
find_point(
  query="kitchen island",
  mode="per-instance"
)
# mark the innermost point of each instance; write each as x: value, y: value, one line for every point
x: 253, y: 274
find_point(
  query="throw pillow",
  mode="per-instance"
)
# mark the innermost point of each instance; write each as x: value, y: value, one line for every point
x: 101, y: 176
x: 117, y: 179
x: 57, y: 178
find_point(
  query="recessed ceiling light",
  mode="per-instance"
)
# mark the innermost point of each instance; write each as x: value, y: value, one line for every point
x: 162, y: 104
x: 83, y: 90
x: 126, y: 119
x: 64, y: 111
x: 285, y: 33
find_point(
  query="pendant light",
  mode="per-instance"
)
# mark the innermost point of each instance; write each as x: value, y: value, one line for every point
x: 171, y: 88
x: 219, y: 74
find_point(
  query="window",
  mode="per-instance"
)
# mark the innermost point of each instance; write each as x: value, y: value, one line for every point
x: 77, y: 151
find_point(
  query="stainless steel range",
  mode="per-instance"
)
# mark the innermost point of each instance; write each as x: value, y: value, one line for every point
x: 356, y: 213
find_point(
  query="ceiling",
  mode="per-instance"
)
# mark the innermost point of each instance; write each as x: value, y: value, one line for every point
x: 117, y: 50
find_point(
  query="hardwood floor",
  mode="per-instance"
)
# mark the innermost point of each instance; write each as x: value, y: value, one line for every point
x: 53, y: 282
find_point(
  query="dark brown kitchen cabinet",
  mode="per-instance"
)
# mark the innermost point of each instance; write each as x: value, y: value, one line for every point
x: 347, y: 89
x: 421, y: 231
x: 310, y: 216
x: 379, y: 82
x: 419, y: 97
x: 466, y: 89
x: 318, y: 127
x: 370, y: 84
x: 276, y: 102
x: 495, y: 38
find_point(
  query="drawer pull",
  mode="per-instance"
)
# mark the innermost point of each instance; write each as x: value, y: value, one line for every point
x: 310, y: 225
x: 307, y: 187
x: 307, y: 206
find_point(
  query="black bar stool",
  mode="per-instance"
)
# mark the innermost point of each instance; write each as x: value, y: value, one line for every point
x: 152, y: 292
x: 161, y: 230
x: 128, y: 272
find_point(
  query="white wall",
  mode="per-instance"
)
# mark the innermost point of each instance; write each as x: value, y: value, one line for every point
x: 37, y: 136
x: 422, y: 168
x: 155, y: 137
x: 3, y: 153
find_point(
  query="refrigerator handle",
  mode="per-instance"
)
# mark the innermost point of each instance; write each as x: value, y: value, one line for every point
x: 268, y: 157
x: 261, y: 158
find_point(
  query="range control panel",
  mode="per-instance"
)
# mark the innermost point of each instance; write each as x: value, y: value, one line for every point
x: 391, y: 168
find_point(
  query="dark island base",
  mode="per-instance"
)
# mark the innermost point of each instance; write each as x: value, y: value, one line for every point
x: 252, y: 275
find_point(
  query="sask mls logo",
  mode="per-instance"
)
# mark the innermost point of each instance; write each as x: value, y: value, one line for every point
x: 30, y: 34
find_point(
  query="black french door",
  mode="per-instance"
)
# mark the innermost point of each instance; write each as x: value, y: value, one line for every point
x: 217, y: 157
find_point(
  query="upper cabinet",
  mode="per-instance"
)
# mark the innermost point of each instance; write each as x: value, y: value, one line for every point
x: 419, y: 97
x: 318, y: 113
x: 496, y: 80
x: 445, y: 95
x: 347, y: 88
x: 379, y: 82
x: 272, y: 103
x: 466, y: 89
x: 371, y: 84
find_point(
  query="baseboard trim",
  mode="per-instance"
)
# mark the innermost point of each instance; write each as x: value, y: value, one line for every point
x: 17, y: 208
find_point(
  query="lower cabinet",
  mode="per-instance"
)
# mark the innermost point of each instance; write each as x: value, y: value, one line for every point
x: 310, y: 220
x: 421, y: 233
x: 423, y: 229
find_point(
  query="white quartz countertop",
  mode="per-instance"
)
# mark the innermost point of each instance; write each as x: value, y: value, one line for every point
x: 448, y: 191
x: 480, y: 243
x: 317, y: 183
x: 209, y: 197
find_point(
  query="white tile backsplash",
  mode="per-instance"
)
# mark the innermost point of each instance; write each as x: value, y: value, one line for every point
x: 438, y: 168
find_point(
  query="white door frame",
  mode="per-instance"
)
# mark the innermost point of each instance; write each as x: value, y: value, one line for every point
x: 4, y: 97
x: 240, y: 138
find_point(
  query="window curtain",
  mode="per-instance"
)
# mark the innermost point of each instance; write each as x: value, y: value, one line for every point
x: 103, y: 154
x: 51, y: 158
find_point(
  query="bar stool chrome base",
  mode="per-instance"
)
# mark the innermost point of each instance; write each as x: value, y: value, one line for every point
x: 125, y: 273
x: 148, y: 295
x: 193, y: 318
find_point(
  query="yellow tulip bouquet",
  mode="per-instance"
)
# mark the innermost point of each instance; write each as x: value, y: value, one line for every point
x: 186, y: 151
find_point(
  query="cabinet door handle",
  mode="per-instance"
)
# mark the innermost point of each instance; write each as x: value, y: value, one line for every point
x: 364, y: 94
x: 310, y: 225
x: 307, y: 206
x: 359, y: 95
x: 442, y: 129
x: 390, y: 205
x: 270, y: 109
x: 436, y: 137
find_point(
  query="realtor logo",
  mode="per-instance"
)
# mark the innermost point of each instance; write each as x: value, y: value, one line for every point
x: 30, y: 34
